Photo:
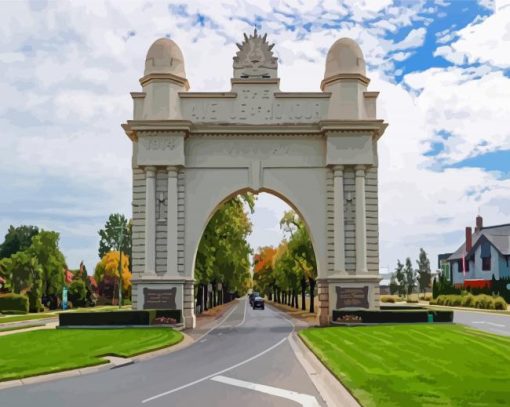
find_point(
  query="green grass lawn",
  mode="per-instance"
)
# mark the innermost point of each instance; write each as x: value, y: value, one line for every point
x: 48, y: 351
x: 16, y: 328
x: 416, y: 365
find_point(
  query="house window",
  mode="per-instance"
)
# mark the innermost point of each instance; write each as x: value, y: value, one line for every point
x: 486, y: 256
x: 460, y: 266
x: 486, y: 263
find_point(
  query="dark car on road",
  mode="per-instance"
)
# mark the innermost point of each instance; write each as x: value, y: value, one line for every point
x: 252, y: 297
x: 258, y: 302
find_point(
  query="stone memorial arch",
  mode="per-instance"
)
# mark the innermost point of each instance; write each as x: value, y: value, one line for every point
x: 194, y: 150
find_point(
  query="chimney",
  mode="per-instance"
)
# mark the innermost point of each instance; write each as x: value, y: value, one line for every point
x: 479, y: 223
x: 469, y: 239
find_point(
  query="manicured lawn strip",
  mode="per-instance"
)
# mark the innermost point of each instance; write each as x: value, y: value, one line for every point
x: 26, y: 317
x: 418, y: 364
x: 15, y: 328
x: 48, y: 351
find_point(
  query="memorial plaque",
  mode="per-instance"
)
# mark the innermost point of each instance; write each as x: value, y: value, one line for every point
x: 352, y: 297
x: 159, y: 298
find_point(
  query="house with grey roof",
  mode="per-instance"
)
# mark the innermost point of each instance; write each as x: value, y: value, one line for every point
x: 484, y: 253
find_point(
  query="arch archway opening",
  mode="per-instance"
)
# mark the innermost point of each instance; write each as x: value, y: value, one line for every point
x: 255, y: 242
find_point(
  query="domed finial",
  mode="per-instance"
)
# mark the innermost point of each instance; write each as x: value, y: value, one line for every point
x: 344, y: 57
x: 165, y: 56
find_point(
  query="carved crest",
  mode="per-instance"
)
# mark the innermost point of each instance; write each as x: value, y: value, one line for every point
x: 255, y: 57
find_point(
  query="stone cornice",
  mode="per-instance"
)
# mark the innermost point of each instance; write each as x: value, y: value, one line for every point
x: 164, y: 126
x: 344, y: 76
x: 331, y: 128
x: 164, y: 77
x: 301, y: 95
x: 253, y: 81
x: 377, y: 127
x: 201, y: 95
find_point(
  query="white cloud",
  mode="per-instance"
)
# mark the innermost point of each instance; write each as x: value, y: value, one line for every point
x: 485, y: 41
x: 67, y: 73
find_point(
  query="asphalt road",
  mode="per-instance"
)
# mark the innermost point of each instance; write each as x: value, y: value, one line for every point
x: 246, y: 361
x: 486, y: 321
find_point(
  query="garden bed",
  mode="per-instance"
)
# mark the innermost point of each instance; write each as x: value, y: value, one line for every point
x: 409, y: 315
x: 121, y: 318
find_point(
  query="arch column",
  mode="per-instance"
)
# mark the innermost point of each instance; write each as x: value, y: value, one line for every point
x: 150, y: 221
x: 361, y: 221
x: 171, y: 233
x: 339, y: 223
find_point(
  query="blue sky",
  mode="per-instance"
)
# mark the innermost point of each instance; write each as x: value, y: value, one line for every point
x: 442, y: 67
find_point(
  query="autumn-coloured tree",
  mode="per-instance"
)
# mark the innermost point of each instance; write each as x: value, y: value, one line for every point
x: 263, y: 276
x: 107, y: 275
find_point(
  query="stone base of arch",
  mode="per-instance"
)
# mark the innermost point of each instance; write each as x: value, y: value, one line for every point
x: 339, y: 292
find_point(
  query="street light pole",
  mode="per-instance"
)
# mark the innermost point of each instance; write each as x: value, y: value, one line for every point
x: 121, y: 237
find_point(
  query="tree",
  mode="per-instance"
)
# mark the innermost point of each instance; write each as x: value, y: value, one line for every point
x: 400, y: 279
x: 24, y: 273
x: 107, y: 274
x: 263, y: 272
x: 78, y: 293
x: 223, y: 254
x: 409, y: 277
x: 17, y: 239
x: 394, y: 287
x: 301, y: 250
x: 435, y: 291
x: 45, y: 249
x: 424, y: 273
x: 110, y: 235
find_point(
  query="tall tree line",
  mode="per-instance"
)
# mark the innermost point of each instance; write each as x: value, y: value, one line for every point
x: 290, y: 270
x: 222, y: 266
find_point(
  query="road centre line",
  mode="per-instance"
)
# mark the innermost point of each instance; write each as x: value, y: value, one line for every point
x: 166, y: 393
x: 303, y: 399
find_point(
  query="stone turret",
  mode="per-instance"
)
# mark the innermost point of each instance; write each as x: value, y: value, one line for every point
x: 345, y: 77
x: 164, y: 77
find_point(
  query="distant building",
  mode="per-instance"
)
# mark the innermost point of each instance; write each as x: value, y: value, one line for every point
x: 483, y: 254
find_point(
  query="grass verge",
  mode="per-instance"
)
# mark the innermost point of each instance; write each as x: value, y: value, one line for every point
x: 49, y: 351
x: 16, y: 328
x: 418, y: 364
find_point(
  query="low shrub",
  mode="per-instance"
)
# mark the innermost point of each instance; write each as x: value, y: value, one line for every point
x: 482, y: 301
x: 14, y: 302
x: 500, y: 303
x: 426, y: 297
x: 390, y: 298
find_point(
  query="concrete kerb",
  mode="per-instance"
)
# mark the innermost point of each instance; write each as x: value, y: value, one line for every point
x: 114, y: 362
x: 328, y: 386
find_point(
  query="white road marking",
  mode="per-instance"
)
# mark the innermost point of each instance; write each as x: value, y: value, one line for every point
x: 166, y: 393
x: 303, y: 399
x: 244, y: 316
x: 489, y: 323
x: 217, y: 325
x: 203, y: 340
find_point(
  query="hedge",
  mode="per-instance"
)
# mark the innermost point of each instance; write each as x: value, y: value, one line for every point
x: 116, y: 318
x: 395, y: 316
x: 14, y: 303
x: 481, y: 301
